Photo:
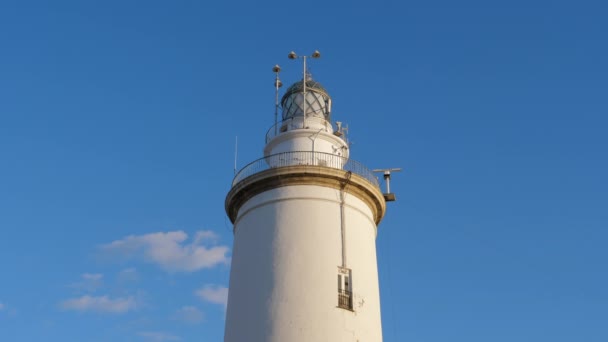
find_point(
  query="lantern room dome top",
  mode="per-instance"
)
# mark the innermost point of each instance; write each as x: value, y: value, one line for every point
x: 318, y: 102
x: 298, y: 87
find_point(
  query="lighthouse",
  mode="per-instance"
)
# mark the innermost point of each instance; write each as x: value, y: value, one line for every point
x: 305, y: 219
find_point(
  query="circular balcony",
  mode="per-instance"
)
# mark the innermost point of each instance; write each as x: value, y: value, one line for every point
x: 303, y: 158
x: 305, y: 168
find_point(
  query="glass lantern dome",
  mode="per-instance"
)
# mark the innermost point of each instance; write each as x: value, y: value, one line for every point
x: 318, y: 102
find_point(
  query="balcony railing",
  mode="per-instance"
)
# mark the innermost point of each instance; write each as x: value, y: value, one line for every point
x: 345, y: 299
x: 305, y: 158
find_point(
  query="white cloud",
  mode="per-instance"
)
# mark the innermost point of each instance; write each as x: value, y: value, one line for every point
x: 170, y: 251
x: 216, y: 294
x: 92, y: 276
x: 189, y: 314
x: 6, y: 309
x: 103, y: 304
x: 157, y: 336
x: 89, y: 282
x: 128, y: 275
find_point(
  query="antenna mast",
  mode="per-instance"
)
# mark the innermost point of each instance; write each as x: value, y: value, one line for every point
x: 277, y: 84
x: 292, y: 55
x: 236, y: 149
x: 304, y: 94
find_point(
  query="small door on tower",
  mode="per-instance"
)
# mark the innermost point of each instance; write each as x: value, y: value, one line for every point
x: 345, y: 298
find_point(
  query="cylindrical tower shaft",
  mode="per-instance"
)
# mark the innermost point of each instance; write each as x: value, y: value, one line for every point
x: 288, y: 281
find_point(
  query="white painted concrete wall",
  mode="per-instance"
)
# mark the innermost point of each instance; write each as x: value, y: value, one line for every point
x: 317, y: 140
x: 283, y: 280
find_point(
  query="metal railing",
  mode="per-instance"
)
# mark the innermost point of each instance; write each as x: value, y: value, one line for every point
x: 305, y: 158
x: 345, y: 299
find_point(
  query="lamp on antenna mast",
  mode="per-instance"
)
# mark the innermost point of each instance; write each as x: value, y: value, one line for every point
x: 293, y: 55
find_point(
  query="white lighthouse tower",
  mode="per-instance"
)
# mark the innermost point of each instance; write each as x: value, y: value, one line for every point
x: 305, y: 223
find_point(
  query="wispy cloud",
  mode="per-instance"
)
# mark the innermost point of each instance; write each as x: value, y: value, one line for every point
x: 157, y: 336
x: 92, y: 276
x: 170, y: 251
x: 189, y: 314
x: 102, y: 304
x: 8, y: 310
x: 216, y: 294
x: 89, y: 282
x: 128, y: 275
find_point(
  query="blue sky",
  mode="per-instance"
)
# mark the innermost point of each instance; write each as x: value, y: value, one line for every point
x: 117, y: 129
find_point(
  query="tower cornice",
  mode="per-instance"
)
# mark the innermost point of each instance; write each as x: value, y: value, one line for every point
x: 352, y: 183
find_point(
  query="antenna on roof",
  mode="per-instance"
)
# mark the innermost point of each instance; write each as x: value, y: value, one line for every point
x: 338, y: 132
x: 305, y: 77
x: 388, y: 195
x: 277, y: 84
x: 341, y: 130
x: 236, y: 150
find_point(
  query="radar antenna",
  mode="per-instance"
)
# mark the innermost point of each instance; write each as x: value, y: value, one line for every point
x: 388, y: 195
